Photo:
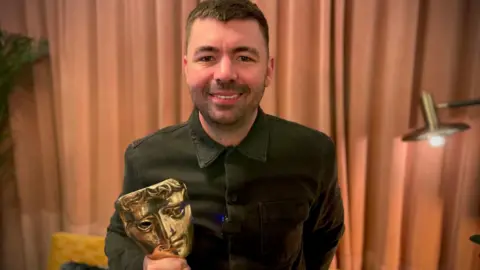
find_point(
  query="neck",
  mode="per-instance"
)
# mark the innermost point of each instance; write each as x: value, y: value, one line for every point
x: 228, y: 135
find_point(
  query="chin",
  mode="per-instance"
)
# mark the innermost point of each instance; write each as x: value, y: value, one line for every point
x: 181, y: 252
x: 224, y: 117
x: 225, y: 122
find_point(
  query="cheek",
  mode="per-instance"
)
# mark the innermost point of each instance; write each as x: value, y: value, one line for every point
x: 144, y: 237
x: 198, y: 78
x: 254, y: 78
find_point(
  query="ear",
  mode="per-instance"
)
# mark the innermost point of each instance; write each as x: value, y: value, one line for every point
x: 270, y: 70
x: 185, y: 62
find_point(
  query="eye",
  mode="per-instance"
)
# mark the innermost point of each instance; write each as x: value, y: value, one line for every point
x: 176, y: 212
x: 205, y: 59
x: 244, y: 58
x: 145, y: 225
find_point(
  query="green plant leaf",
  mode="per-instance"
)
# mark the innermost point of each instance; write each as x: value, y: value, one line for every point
x: 17, y: 53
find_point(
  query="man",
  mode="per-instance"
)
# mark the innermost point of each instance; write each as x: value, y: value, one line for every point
x: 263, y: 190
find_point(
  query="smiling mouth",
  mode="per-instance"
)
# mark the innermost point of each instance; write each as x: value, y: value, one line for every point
x: 178, y: 242
x: 174, y: 245
x: 226, y: 97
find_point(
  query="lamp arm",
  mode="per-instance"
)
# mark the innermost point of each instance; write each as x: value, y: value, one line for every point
x: 458, y: 104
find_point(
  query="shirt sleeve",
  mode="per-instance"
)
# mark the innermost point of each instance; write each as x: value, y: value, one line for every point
x: 325, y: 226
x: 121, y: 251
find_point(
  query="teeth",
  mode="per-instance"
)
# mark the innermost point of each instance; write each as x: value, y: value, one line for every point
x: 227, y: 97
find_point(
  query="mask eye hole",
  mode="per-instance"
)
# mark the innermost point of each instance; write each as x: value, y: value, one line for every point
x: 145, y: 225
x: 175, y: 212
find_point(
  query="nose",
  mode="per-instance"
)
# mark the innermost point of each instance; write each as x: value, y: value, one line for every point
x: 225, y: 71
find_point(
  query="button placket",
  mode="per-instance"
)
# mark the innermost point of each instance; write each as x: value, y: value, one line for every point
x: 233, y: 227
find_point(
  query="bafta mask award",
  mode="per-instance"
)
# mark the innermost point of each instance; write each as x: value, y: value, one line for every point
x: 158, y: 218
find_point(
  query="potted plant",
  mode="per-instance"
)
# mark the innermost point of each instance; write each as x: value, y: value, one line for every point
x: 18, y: 53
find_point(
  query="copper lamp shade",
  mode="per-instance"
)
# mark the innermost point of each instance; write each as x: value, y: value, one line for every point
x: 435, y: 131
x: 433, y: 128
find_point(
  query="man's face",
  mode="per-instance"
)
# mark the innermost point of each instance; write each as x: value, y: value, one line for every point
x: 227, y: 68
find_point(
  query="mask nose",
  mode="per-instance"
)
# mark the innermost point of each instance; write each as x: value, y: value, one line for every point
x: 172, y: 231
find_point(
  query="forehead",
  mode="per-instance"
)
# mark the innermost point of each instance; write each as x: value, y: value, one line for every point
x: 225, y: 35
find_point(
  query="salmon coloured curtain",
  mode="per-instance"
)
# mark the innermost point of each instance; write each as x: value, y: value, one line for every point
x: 352, y: 69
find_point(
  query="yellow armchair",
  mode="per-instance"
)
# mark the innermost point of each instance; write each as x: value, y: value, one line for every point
x: 68, y: 247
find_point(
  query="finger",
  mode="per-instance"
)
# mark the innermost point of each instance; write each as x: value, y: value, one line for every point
x: 185, y: 266
x: 169, y: 263
x: 158, y: 254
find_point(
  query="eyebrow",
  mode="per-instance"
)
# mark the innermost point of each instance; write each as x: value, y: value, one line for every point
x: 202, y: 49
x: 251, y: 50
x: 247, y: 49
x: 174, y: 205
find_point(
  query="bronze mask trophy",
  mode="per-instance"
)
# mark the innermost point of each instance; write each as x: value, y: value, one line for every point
x: 158, y: 218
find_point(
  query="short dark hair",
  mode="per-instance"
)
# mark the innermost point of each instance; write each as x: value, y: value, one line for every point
x: 226, y: 10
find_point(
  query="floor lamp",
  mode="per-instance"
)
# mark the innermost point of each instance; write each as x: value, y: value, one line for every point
x: 435, y: 131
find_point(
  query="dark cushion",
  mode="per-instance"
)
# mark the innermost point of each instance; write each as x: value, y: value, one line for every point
x: 79, y: 266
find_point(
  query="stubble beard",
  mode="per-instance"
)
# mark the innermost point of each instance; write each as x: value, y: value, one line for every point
x: 239, y: 114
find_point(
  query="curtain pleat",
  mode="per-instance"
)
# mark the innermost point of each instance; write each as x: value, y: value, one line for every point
x: 352, y: 69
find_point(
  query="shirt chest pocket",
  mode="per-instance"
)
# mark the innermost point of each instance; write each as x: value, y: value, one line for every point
x: 282, y: 228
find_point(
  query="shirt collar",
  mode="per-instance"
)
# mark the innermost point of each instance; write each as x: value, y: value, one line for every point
x: 254, y: 146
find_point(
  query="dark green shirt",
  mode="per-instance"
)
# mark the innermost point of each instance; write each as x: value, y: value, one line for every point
x: 272, y: 202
